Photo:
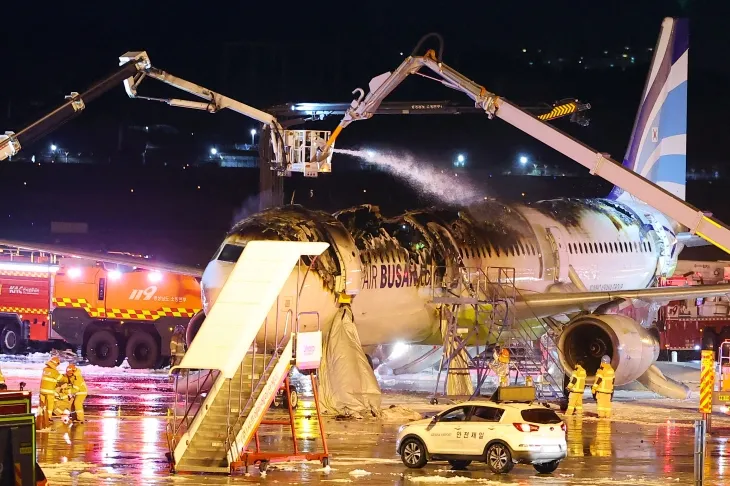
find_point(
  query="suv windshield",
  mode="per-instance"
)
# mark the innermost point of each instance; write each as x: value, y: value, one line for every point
x: 540, y: 416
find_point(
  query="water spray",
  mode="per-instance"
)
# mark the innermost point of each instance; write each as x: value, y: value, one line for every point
x: 442, y: 183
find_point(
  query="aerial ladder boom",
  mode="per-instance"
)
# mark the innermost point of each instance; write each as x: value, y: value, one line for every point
x: 292, y: 150
x: 11, y: 142
x: 598, y: 163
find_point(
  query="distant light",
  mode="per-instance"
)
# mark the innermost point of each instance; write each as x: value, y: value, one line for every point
x: 523, y: 194
x: 624, y: 56
x: 523, y: 159
x: 53, y: 147
x: 364, y: 190
x: 115, y: 275
x: 154, y: 276
x: 131, y: 190
x: 401, y: 53
x: 147, y: 129
x: 213, y: 151
x: 697, y: 347
x: 198, y: 187
x: 253, y: 132
x: 74, y: 272
x: 460, y: 158
x: 524, y: 50
x: 370, y: 154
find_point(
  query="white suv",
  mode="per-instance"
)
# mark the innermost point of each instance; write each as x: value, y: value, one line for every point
x: 500, y: 434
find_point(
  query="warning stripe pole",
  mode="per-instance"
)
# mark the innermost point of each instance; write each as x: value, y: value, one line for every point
x: 707, y: 386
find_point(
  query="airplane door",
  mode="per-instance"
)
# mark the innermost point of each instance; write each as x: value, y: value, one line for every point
x: 561, y: 256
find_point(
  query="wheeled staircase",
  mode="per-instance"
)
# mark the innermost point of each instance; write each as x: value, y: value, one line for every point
x: 216, y: 424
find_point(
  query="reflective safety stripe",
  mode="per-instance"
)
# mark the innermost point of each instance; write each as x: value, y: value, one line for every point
x: 46, y: 391
x: 135, y: 314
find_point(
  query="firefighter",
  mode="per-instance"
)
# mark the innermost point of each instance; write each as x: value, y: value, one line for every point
x: 77, y: 388
x: 501, y: 366
x: 177, y: 345
x: 576, y: 387
x: 603, y: 387
x: 49, y: 382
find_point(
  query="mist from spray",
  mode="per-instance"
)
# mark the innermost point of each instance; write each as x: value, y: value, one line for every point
x: 427, y: 179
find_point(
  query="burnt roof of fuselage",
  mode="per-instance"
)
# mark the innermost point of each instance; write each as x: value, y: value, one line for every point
x: 570, y: 212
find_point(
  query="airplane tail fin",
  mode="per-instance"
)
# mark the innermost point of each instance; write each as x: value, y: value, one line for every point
x: 658, y: 146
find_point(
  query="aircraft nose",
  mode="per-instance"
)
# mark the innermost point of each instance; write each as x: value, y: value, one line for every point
x: 214, y: 277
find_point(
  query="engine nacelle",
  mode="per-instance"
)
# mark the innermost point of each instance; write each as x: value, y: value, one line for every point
x: 632, y: 348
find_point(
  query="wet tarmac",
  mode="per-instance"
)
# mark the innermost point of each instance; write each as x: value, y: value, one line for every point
x: 124, y: 442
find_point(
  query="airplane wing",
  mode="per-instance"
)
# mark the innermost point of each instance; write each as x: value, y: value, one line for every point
x: 551, y: 304
x: 103, y: 257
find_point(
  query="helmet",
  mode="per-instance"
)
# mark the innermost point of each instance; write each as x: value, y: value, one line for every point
x: 504, y: 352
x: 71, y: 369
x: 53, y: 362
x: 605, y: 359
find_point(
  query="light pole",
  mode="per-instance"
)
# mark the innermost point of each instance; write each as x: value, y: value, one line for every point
x: 253, y: 134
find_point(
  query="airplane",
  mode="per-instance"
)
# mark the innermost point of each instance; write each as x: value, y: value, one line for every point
x: 576, y: 259
x: 579, y: 261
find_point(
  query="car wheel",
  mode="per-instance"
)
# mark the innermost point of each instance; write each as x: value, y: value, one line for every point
x: 546, y: 467
x: 413, y: 454
x: 459, y: 464
x: 499, y: 458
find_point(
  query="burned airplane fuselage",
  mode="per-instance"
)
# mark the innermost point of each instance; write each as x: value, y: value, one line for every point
x: 392, y: 267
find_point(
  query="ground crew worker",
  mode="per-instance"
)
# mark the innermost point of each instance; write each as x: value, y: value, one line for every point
x: 576, y: 386
x: 500, y: 366
x: 177, y: 345
x: 603, y: 387
x: 49, y: 382
x: 77, y: 388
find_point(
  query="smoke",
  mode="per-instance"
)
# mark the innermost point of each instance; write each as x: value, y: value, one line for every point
x: 250, y: 205
x: 426, y: 179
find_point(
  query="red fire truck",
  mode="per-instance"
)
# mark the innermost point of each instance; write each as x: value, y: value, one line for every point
x: 688, y: 326
x: 107, y: 311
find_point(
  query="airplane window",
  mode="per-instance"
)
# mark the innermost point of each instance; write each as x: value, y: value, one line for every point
x: 601, y: 247
x: 534, y: 252
x: 636, y: 246
x: 648, y: 243
x: 570, y: 248
x: 522, y: 248
x: 585, y: 248
x: 595, y: 247
x: 230, y: 253
x: 615, y: 247
x: 489, y: 250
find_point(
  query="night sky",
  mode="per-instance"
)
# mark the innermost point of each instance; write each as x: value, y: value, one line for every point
x: 273, y: 52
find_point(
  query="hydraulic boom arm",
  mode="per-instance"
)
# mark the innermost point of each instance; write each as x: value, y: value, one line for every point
x: 292, y: 150
x: 599, y: 164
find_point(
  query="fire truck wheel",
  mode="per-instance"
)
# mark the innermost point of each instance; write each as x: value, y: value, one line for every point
x: 142, y: 351
x: 102, y: 349
x: 10, y: 341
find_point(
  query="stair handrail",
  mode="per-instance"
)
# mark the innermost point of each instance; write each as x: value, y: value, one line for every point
x: 174, y: 429
x: 280, y: 343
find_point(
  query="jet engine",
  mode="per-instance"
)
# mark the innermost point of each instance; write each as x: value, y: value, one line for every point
x: 587, y: 338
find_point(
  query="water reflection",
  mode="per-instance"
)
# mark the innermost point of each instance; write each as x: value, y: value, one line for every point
x: 601, y: 444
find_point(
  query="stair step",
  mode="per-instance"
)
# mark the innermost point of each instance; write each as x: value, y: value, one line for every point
x: 202, y: 465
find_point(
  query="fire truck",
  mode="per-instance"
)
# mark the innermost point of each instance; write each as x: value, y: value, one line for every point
x: 106, y: 311
x: 688, y: 326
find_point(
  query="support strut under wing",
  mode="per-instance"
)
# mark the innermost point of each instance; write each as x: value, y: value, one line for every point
x: 599, y: 164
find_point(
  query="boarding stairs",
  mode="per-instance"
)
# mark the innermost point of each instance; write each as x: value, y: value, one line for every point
x: 532, y: 342
x: 491, y: 295
x: 244, y: 355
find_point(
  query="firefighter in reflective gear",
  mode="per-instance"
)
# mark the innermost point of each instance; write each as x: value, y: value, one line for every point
x: 500, y: 366
x: 177, y: 345
x: 603, y: 387
x: 47, y: 397
x: 576, y: 386
x: 76, y: 386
